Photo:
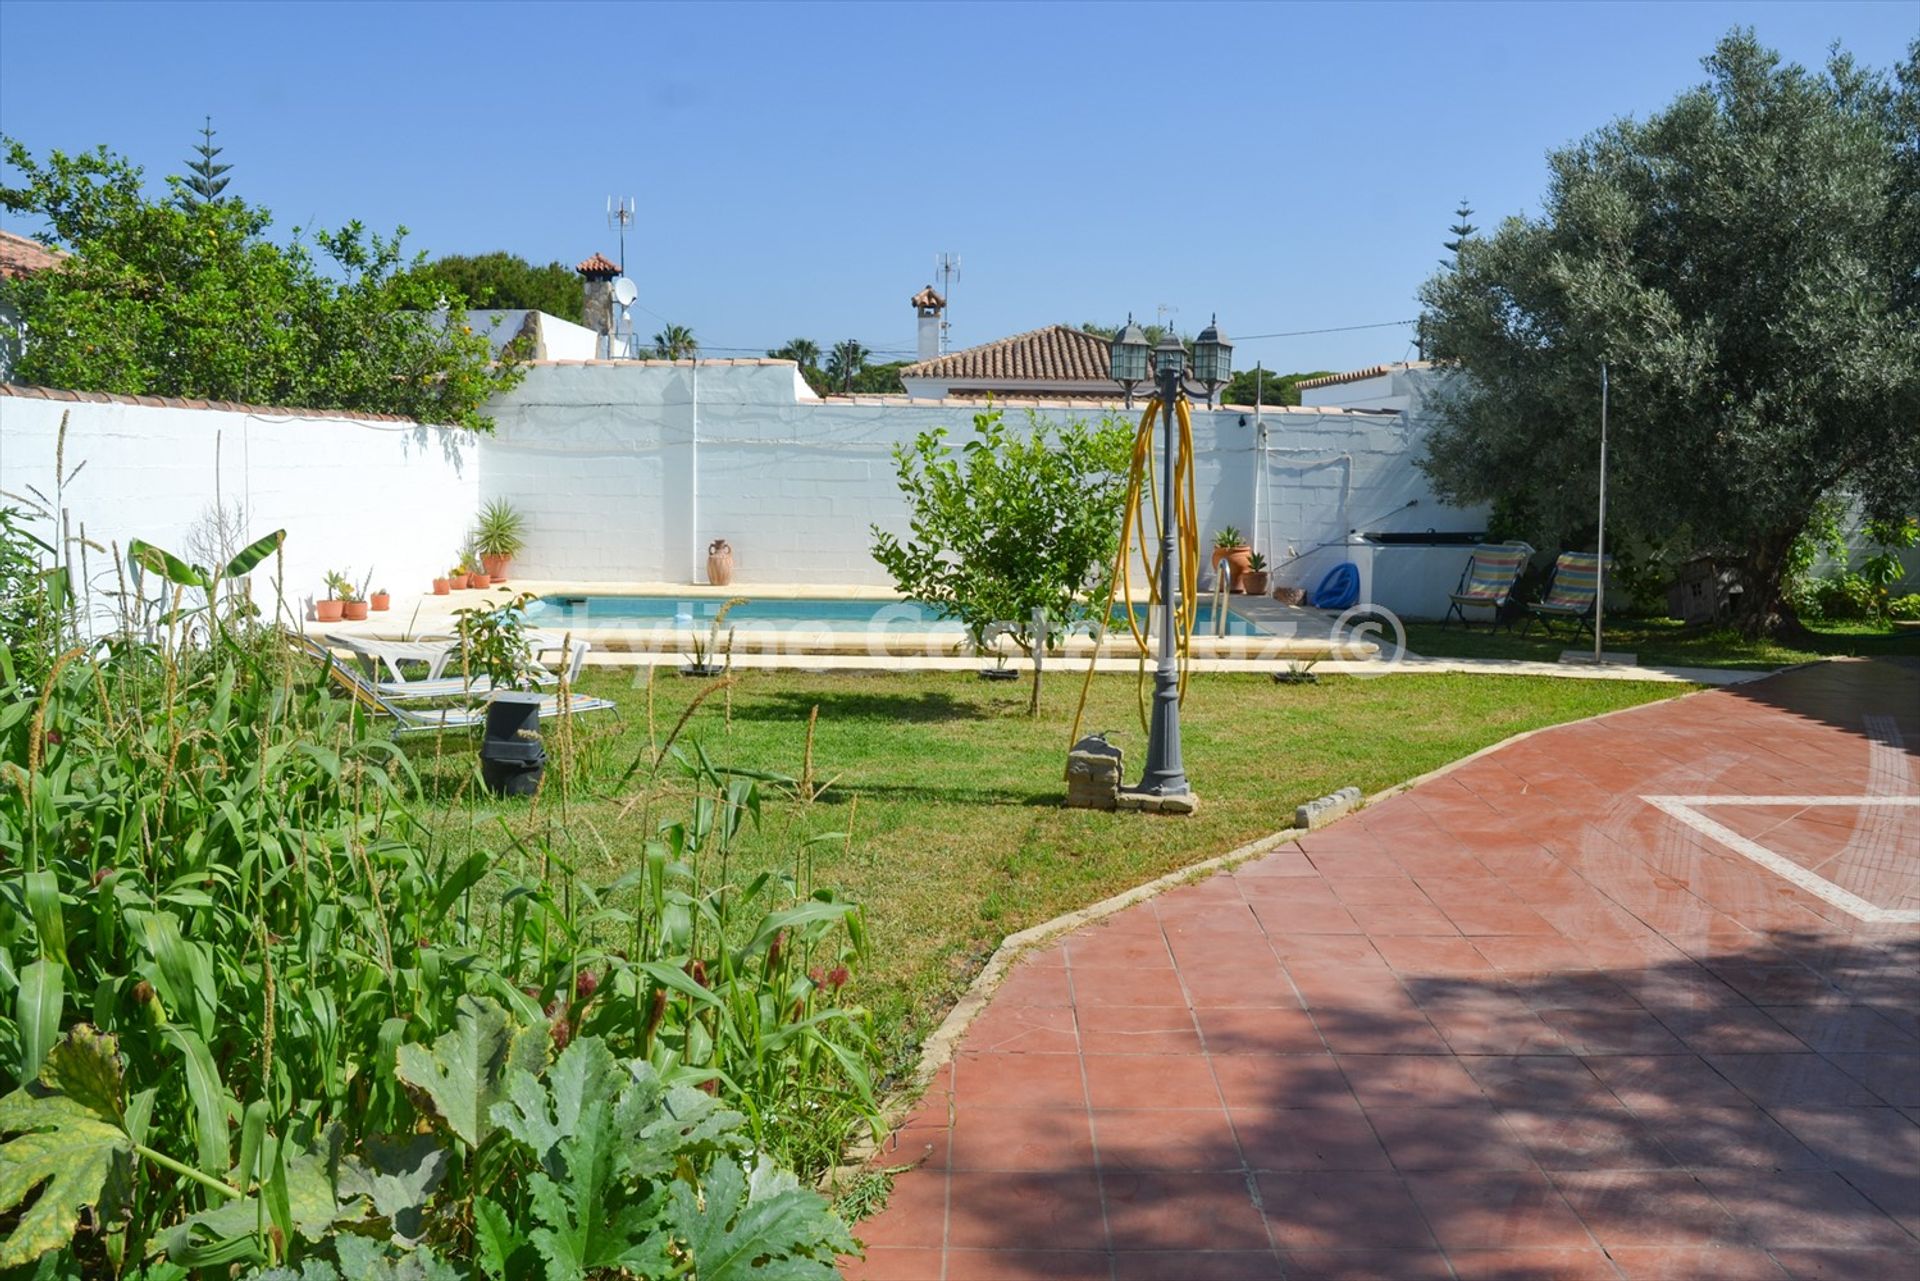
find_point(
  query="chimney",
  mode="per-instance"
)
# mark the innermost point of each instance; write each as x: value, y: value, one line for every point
x: 929, y: 306
x: 596, y: 309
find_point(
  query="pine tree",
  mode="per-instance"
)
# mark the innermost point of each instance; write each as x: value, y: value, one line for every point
x: 206, y: 179
x: 1461, y: 230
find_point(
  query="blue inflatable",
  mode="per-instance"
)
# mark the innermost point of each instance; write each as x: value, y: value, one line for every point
x: 1340, y: 589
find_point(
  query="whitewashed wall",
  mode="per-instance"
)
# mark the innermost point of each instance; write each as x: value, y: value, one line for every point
x: 603, y: 459
x: 357, y: 495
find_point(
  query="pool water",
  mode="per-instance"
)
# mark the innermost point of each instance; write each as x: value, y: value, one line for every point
x: 793, y: 615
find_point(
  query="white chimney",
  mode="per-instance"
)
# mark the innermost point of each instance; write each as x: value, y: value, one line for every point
x: 929, y: 307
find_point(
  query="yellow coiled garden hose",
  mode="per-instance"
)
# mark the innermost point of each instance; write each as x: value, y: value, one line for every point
x: 1142, y: 478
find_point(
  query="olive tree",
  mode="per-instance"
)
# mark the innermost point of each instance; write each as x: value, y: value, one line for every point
x: 1010, y: 523
x: 1747, y: 262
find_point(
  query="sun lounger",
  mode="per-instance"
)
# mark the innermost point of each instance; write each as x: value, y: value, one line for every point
x: 427, y: 720
x: 1571, y: 595
x: 1488, y: 581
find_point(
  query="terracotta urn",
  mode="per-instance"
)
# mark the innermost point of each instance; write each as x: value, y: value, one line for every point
x: 719, y: 562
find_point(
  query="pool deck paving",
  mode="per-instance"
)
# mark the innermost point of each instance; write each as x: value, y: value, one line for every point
x: 1518, y: 1021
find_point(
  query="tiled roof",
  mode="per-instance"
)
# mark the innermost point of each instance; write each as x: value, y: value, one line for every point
x: 20, y: 256
x: 927, y: 300
x: 1361, y: 375
x: 1058, y: 353
x: 598, y: 266
x: 178, y: 402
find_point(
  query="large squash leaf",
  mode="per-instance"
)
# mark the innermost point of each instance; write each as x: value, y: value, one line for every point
x: 464, y: 1073
x: 399, y: 1178
x: 765, y: 1227
x: 68, y: 1140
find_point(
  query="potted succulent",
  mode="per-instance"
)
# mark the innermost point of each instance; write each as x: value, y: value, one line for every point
x: 329, y: 609
x: 498, y: 537
x: 1254, y: 583
x: 443, y: 584
x: 1230, y: 545
x: 382, y: 600
x: 353, y: 601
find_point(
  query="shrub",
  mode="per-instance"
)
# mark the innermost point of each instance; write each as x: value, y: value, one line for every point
x: 1904, y: 608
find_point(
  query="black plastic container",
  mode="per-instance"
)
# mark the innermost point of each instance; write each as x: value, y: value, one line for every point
x: 512, y: 757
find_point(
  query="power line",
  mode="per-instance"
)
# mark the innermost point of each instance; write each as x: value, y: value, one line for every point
x: 1336, y: 329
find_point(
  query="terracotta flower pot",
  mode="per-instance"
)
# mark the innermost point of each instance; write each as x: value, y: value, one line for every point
x: 1238, y: 559
x: 478, y: 580
x: 327, y: 611
x: 354, y: 611
x: 381, y: 601
x: 458, y: 582
x: 719, y: 562
x: 496, y: 567
x: 1255, y: 582
x: 441, y: 586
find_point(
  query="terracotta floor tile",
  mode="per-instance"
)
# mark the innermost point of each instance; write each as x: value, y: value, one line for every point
x: 1514, y: 919
x: 1648, y: 1207
x: 1408, y: 1080
x: 1197, y: 1265
x: 1791, y: 1079
x: 1467, y: 1137
x: 1430, y: 954
x: 1852, y: 1139
x: 1377, y: 920
x: 1353, y: 864
x: 1030, y: 1028
x: 1348, y: 1211
x: 1844, y: 1029
x: 1606, y: 1139
x: 1532, y: 952
x: 1166, y: 1139
x: 1803, y: 1208
x: 1150, y: 1081
x: 1651, y: 1083
x: 1252, y: 1083
x: 1305, y: 918
x: 1497, y: 1210
x: 1280, y: 863
x: 1730, y: 1029
x: 1687, y: 1263
x: 1034, y: 985
x: 1739, y: 1138
x: 1229, y: 1030
x: 893, y: 1263
x: 1894, y: 1078
x: 1027, y: 1265
x: 1377, y: 890
x: 1518, y: 1032
x: 1018, y: 1080
x: 1126, y: 986
x: 1137, y: 1029
x: 1332, y: 1138
x: 1538, y: 1264
x: 1260, y: 984
x: 1098, y: 948
x: 1022, y: 1139
x: 997, y: 1210
x: 1850, y: 1265
x: 1396, y: 1028
x: 1366, y: 1265
x: 916, y: 1213
x: 1612, y: 1031
x: 1538, y: 1080
x: 1152, y: 1210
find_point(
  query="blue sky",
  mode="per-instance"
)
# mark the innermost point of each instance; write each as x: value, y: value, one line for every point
x: 797, y: 166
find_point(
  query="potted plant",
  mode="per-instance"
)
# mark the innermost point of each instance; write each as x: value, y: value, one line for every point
x: 498, y: 537
x: 1230, y: 545
x: 329, y: 609
x: 443, y: 584
x: 382, y: 600
x: 1256, y: 578
x: 457, y: 576
x: 353, y: 601
x: 704, y: 653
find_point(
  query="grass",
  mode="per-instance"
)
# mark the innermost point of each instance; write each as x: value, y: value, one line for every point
x: 950, y: 794
x: 1665, y: 643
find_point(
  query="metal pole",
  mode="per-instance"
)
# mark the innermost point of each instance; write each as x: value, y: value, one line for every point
x: 1600, y: 541
x: 1166, y: 775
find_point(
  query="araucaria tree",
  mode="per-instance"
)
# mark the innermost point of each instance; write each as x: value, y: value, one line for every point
x: 206, y: 176
x: 188, y: 297
x: 1747, y: 262
x: 1010, y: 523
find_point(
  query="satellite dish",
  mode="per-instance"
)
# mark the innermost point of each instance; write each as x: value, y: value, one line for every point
x: 623, y: 291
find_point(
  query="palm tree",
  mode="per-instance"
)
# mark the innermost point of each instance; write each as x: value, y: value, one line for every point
x: 676, y: 342
x: 845, y: 360
x: 804, y: 352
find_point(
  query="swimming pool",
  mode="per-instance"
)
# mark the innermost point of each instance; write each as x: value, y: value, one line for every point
x: 854, y: 617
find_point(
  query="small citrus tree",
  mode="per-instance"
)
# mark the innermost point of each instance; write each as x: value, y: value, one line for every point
x: 1010, y: 523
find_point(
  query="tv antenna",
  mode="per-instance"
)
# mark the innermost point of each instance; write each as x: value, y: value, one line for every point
x: 620, y: 214
x: 947, y: 267
x: 1164, y: 310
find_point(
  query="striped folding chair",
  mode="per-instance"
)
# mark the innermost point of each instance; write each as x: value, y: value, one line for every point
x: 1571, y: 595
x: 1488, y: 581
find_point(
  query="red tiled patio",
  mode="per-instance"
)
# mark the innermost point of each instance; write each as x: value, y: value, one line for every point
x: 1517, y: 1022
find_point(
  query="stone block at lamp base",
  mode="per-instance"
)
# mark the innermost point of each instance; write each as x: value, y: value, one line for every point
x: 1154, y: 803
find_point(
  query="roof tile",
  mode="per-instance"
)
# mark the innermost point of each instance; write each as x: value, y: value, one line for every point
x: 1058, y: 353
x: 20, y: 256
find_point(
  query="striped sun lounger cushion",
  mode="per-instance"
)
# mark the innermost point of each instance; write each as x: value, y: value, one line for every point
x: 1576, y: 579
x: 1493, y: 573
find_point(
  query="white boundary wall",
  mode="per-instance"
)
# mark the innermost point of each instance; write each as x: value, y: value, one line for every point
x: 353, y: 494
x: 627, y: 470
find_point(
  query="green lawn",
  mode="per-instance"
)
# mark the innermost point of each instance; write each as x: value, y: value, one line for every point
x: 1664, y: 643
x: 952, y: 794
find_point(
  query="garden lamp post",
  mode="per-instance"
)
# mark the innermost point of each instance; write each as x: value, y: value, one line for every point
x: 1165, y: 774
